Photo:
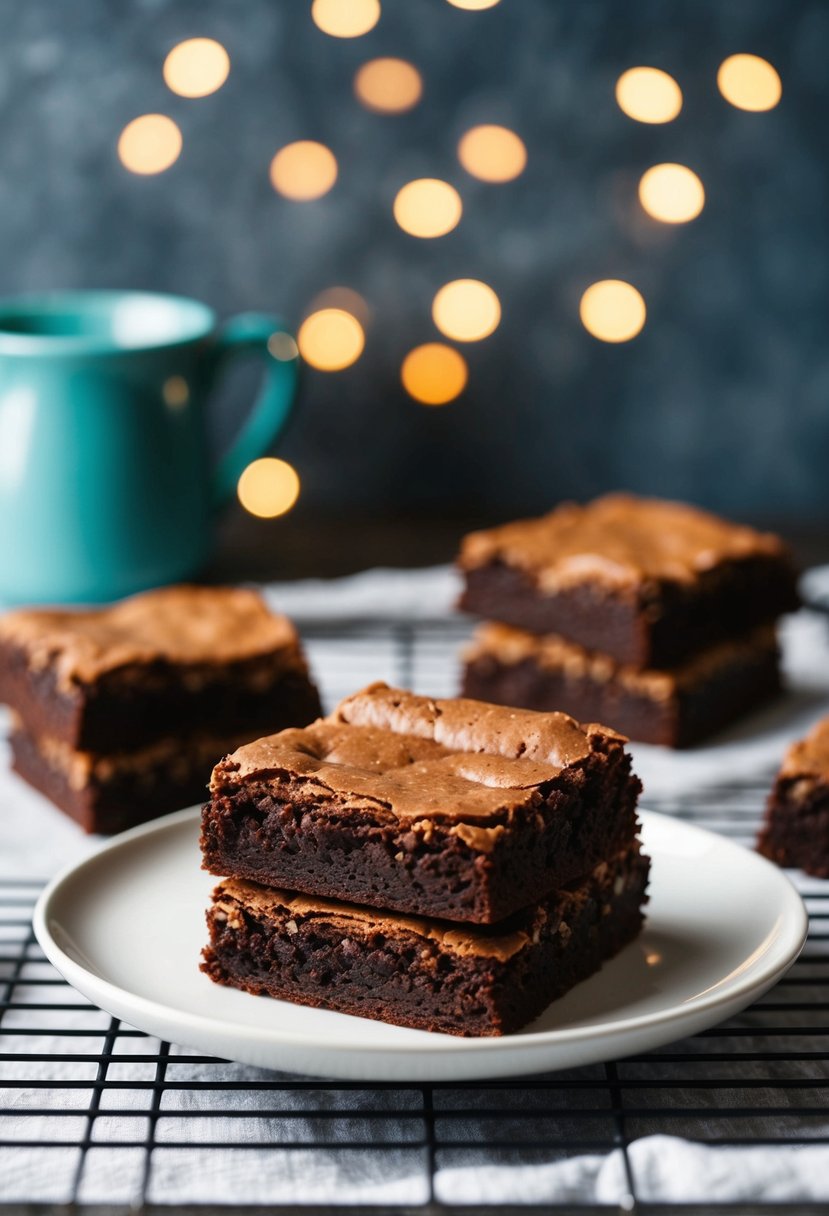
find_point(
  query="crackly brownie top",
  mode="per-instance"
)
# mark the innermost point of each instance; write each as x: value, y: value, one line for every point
x: 182, y: 625
x: 809, y: 757
x: 418, y: 758
x: 618, y: 539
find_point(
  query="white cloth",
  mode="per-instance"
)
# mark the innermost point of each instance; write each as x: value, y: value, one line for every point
x: 402, y: 595
x: 665, y: 1169
x: 35, y: 840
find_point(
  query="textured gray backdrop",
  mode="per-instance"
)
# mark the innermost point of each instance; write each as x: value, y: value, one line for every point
x: 724, y: 398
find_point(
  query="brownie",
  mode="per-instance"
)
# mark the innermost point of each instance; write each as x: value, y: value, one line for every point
x: 674, y: 707
x: 212, y: 658
x: 645, y: 581
x: 447, y: 808
x: 795, y: 831
x: 463, y: 980
x: 119, y: 714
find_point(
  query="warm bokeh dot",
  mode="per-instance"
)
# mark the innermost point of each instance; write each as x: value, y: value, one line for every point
x: 197, y: 67
x: 428, y: 207
x: 434, y: 374
x: 466, y: 310
x: 176, y: 392
x: 612, y: 310
x: 389, y: 86
x: 149, y: 144
x: 749, y: 82
x: 493, y: 154
x: 268, y: 487
x: 345, y: 18
x: 648, y: 95
x: 331, y: 339
x: 304, y: 170
x: 474, y: 5
x: 671, y: 193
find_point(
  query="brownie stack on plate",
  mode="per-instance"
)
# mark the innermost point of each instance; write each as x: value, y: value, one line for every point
x: 119, y: 714
x: 653, y: 616
x: 446, y: 865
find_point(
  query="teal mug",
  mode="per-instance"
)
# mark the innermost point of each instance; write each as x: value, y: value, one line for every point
x: 105, y: 479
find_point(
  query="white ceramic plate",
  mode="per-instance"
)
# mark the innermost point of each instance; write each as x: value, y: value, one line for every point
x: 126, y: 925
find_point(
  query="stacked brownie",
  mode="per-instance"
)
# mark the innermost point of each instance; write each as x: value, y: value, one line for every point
x: 653, y: 616
x: 119, y: 714
x: 446, y: 865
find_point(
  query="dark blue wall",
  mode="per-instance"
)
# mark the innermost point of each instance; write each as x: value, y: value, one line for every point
x: 724, y: 397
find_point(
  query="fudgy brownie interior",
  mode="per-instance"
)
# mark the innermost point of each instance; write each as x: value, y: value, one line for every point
x: 674, y: 707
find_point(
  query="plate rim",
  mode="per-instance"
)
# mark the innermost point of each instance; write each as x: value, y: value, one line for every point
x: 751, y: 983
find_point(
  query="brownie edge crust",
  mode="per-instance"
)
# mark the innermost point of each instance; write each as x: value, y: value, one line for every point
x: 674, y: 708
x: 424, y: 974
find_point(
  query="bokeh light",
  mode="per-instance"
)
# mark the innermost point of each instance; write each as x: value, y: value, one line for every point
x: 475, y: 6
x: 345, y: 18
x: 176, y: 392
x: 197, y: 67
x: 428, y: 207
x: 149, y: 144
x: 303, y: 170
x: 749, y: 82
x: 331, y: 339
x: 648, y: 95
x: 268, y: 487
x: 466, y: 310
x: 494, y: 154
x: 389, y: 86
x: 671, y: 193
x: 612, y: 310
x: 282, y: 346
x: 434, y: 374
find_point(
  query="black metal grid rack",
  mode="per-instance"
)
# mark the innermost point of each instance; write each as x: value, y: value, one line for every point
x: 93, y: 1112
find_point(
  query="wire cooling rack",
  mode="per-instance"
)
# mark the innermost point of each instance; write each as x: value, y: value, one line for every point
x: 94, y: 1112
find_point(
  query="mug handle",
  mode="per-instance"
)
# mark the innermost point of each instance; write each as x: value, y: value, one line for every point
x: 259, y: 333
